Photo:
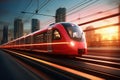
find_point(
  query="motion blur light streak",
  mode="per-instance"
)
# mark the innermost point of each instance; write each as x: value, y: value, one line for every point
x: 91, y: 77
x: 44, y: 44
x: 45, y: 51
x: 101, y: 57
x: 97, y: 60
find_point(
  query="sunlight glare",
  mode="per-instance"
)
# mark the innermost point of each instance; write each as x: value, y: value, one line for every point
x: 109, y: 33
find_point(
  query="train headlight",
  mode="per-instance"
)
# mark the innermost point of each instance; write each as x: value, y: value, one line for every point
x: 72, y: 43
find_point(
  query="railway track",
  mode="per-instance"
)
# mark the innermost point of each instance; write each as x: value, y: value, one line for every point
x: 88, y: 65
x: 108, y: 67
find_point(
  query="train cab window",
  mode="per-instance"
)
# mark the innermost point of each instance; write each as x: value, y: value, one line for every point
x: 56, y: 35
x: 74, y: 31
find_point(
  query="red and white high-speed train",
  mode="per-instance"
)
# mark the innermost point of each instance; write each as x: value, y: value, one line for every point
x: 60, y: 38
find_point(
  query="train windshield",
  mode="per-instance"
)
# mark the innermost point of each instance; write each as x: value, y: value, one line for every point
x: 74, y: 31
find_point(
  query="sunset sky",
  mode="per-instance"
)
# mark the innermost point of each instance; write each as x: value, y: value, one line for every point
x: 11, y: 9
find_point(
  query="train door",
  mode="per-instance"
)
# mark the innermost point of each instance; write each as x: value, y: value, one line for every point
x: 49, y: 40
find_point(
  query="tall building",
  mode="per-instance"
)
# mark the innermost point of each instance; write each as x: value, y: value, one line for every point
x: 35, y: 25
x: 18, y: 28
x: 5, y: 34
x: 60, y: 15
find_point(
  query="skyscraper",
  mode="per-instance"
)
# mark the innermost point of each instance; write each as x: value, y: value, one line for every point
x: 18, y: 28
x: 60, y: 15
x: 35, y: 25
x: 5, y: 34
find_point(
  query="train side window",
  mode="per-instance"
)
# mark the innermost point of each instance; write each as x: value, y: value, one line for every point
x: 28, y: 40
x: 17, y: 42
x: 34, y: 39
x: 39, y: 38
x: 56, y: 35
x: 45, y: 37
x: 22, y: 41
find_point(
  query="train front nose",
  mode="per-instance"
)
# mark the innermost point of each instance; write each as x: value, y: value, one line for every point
x: 82, y: 48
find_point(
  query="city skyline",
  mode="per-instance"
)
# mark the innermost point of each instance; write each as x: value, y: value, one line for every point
x: 77, y: 11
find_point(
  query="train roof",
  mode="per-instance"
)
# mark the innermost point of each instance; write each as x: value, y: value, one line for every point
x: 46, y: 28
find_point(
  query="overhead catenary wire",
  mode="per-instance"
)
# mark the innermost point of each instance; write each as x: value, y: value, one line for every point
x: 33, y: 12
x: 26, y: 8
x: 89, y: 4
x: 44, y: 4
x: 78, y: 5
x: 97, y: 13
x: 75, y: 7
x: 47, y: 3
x: 37, y: 6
